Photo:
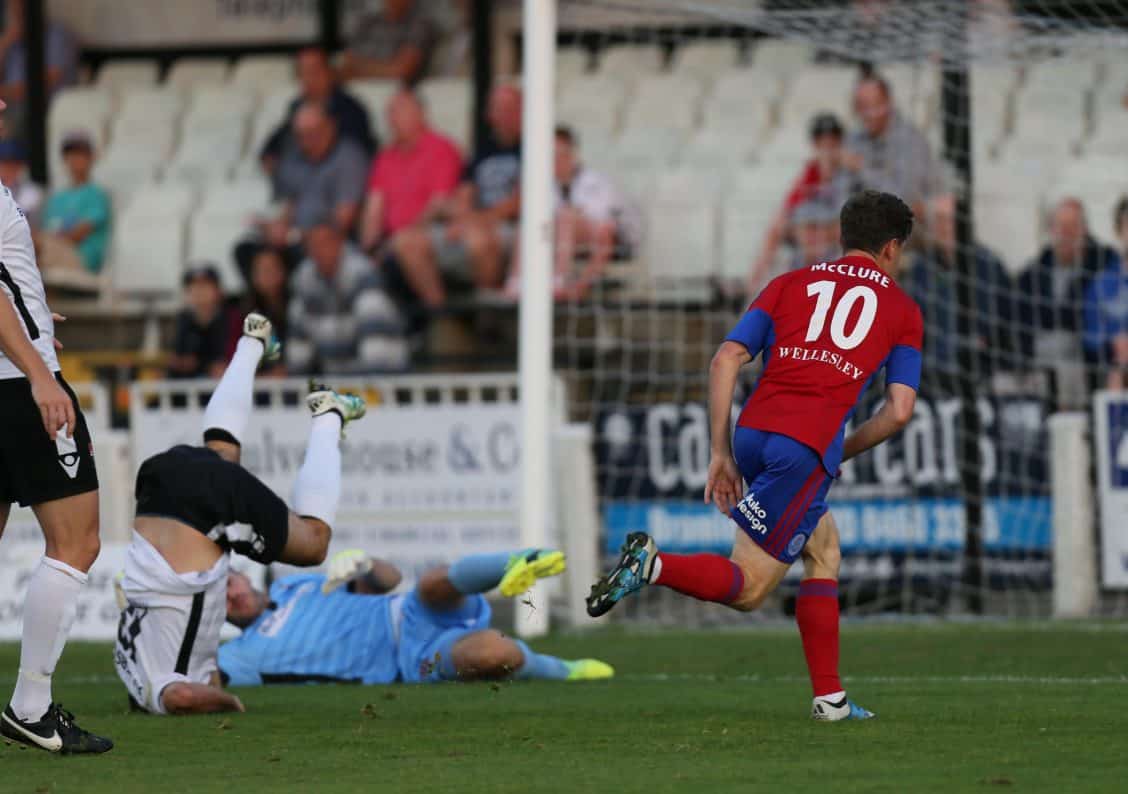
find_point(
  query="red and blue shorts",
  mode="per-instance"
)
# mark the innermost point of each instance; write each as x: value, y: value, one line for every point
x: 786, y: 496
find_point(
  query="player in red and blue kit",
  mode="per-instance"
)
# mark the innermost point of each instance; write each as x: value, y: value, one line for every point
x: 824, y: 332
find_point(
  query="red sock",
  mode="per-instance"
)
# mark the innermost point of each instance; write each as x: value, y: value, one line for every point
x: 709, y: 577
x: 816, y: 612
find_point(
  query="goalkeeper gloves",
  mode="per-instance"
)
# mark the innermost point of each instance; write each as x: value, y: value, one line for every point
x: 344, y: 566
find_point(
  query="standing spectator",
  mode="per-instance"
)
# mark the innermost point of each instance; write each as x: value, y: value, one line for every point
x: 340, y: 320
x: 199, y: 349
x: 887, y: 152
x: 76, y: 219
x: 60, y: 61
x: 933, y: 283
x: 13, y: 175
x: 394, y: 43
x: 320, y: 180
x: 593, y: 220
x: 480, y: 226
x: 268, y: 293
x: 824, y: 178
x: 1106, y: 312
x: 412, y: 177
x: 1051, y: 292
x: 317, y: 82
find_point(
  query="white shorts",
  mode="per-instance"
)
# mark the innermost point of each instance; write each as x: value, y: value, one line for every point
x: 169, y: 629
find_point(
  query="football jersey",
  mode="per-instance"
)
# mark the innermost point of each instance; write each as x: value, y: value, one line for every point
x: 825, y: 331
x: 23, y: 285
x: 307, y: 635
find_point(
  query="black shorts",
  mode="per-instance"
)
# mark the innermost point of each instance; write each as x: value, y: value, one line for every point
x: 35, y: 468
x: 217, y: 498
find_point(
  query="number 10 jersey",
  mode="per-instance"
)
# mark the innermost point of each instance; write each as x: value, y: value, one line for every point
x: 824, y: 332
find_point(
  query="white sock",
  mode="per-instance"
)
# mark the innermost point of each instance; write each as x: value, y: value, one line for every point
x: 833, y: 697
x: 49, y: 608
x: 317, y: 488
x: 230, y: 405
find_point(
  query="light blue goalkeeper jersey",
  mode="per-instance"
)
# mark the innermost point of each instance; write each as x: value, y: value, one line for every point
x: 310, y: 636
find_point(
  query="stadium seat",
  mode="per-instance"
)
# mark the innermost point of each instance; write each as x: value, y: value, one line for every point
x: 453, y: 121
x: 680, y: 239
x: 1110, y: 130
x: 744, y: 223
x: 687, y: 184
x: 719, y: 150
x: 148, y: 253
x: 148, y: 109
x: 816, y: 89
x: 127, y: 74
x: 675, y: 113
x: 628, y: 62
x: 704, y: 59
x: 205, y: 155
x: 123, y: 177
x: 127, y: 139
x: 770, y: 180
x: 374, y: 95
x: 1008, y: 224
x: 592, y: 102
x: 648, y: 147
x: 217, y: 101
x: 241, y: 197
x: 272, y: 111
x: 188, y: 73
x: 571, y: 62
x: 789, y: 147
x: 596, y: 146
x: 727, y: 118
x: 211, y: 238
x: 781, y: 57
x: 1064, y: 76
x: 164, y: 199
x: 264, y: 72
x: 449, y: 104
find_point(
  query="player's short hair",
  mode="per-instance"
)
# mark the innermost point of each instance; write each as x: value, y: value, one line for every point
x: 870, y: 219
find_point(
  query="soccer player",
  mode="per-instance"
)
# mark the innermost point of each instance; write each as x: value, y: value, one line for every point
x: 343, y: 628
x: 47, y: 462
x: 196, y: 505
x: 824, y: 332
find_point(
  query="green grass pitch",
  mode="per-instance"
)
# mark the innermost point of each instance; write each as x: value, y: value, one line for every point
x: 961, y: 707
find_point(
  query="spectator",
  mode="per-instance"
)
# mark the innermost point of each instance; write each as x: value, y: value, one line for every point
x: 340, y: 320
x: 13, y: 175
x: 199, y: 349
x: 412, y: 177
x: 469, y: 249
x: 824, y: 179
x: 318, y: 83
x: 394, y: 43
x: 1051, y: 292
x: 1106, y: 312
x: 593, y: 220
x: 76, y: 219
x: 60, y: 61
x: 268, y: 293
x: 319, y: 180
x: 814, y: 228
x: 887, y: 152
x: 932, y: 281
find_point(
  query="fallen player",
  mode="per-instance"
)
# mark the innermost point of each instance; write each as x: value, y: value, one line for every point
x: 345, y: 627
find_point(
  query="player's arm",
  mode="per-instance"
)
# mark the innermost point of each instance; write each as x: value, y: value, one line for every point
x: 362, y: 574
x: 183, y: 697
x: 54, y: 404
x: 889, y: 420
x: 723, y: 486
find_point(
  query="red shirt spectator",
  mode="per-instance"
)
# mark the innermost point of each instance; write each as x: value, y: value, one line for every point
x: 410, y: 176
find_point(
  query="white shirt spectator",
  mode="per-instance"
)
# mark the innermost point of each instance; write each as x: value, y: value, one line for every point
x: 600, y: 200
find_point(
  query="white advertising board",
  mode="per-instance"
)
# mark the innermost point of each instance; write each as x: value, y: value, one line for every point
x: 1111, y: 440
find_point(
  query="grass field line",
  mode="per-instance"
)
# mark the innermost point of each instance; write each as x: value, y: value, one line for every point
x: 1025, y: 680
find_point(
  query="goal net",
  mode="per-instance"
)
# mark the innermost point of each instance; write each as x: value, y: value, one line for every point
x: 733, y: 132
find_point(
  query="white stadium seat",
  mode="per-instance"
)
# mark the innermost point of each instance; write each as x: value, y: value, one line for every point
x: 705, y: 59
x: 727, y: 118
x: 1009, y: 225
x: 189, y: 73
x: 637, y: 182
x: 205, y: 156
x: 148, y: 256
x: 743, y: 225
x: 592, y: 102
x: 272, y: 111
x: 571, y: 62
x: 374, y: 95
x: 120, y: 75
x: 1110, y: 131
x: 127, y: 138
x: 781, y: 57
x: 449, y: 102
x: 719, y: 150
x: 263, y: 72
x: 221, y: 100
x: 123, y: 177
x: 149, y: 108
x: 241, y: 197
x: 651, y: 147
x: 163, y: 198
x: 665, y: 100
x: 770, y: 180
x: 211, y: 238
x: 681, y: 239
x: 816, y: 89
x: 789, y: 147
x: 686, y: 184
x: 630, y: 61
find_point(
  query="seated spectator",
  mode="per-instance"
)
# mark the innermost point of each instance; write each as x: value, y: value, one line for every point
x: 470, y: 247
x: 814, y: 228
x: 14, y: 176
x: 268, y: 293
x: 199, y: 349
x: 824, y: 179
x: 888, y: 152
x: 932, y: 281
x: 340, y: 320
x: 76, y: 219
x: 1106, y: 313
x: 320, y: 179
x: 593, y: 220
x: 317, y: 82
x: 60, y: 62
x: 1050, y: 294
x: 413, y: 177
x: 394, y: 43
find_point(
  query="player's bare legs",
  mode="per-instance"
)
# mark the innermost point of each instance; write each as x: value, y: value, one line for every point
x: 488, y: 654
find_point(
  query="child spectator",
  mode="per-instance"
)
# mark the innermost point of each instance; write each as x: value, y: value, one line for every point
x: 200, y: 347
x: 76, y: 219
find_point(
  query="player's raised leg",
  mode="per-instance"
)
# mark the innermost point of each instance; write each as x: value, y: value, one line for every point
x: 816, y: 612
x: 489, y: 654
x: 229, y: 409
x: 317, y: 488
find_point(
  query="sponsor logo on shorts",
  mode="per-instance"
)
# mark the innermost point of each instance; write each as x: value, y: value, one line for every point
x: 750, y: 508
x: 796, y: 544
x: 68, y: 452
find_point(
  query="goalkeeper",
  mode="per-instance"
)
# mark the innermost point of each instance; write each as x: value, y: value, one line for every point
x: 345, y: 627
